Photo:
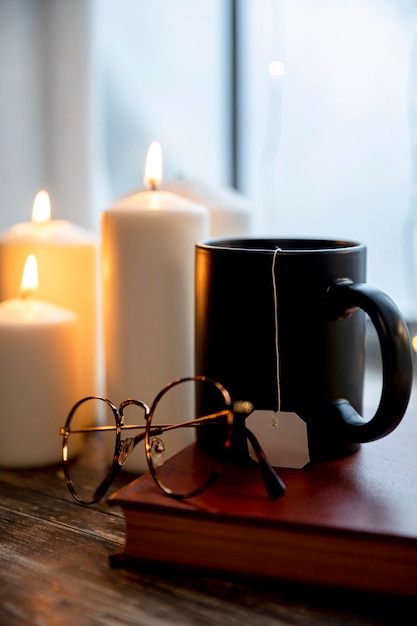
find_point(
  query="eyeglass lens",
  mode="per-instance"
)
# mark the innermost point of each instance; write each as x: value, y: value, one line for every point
x: 90, y: 454
x: 181, y: 405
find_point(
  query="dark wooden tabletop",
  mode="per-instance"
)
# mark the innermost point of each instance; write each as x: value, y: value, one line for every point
x: 54, y: 558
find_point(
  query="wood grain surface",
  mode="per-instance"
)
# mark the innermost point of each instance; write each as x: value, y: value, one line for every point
x: 54, y: 564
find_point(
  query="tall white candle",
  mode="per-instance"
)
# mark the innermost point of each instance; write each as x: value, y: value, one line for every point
x: 39, y: 379
x: 231, y: 212
x: 67, y: 258
x: 148, y: 248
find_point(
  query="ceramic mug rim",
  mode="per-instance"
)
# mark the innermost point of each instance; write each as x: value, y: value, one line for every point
x: 285, y: 244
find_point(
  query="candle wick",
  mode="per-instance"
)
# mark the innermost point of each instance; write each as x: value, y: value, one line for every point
x: 27, y: 301
x: 25, y: 294
x: 152, y: 184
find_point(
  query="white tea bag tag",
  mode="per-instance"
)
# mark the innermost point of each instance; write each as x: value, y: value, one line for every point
x: 283, y: 437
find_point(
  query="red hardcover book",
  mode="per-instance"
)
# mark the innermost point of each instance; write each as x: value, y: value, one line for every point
x: 351, y: 522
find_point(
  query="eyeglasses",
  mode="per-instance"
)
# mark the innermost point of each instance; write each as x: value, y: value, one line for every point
x: 93, y: 450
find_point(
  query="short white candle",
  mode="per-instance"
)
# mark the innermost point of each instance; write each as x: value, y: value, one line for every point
x: 231, y: 213
x: 39, y: 378
x: 148, y: 249
x: 67, y: 258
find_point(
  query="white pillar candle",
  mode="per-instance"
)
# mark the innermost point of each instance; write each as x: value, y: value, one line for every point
x: 230, y: 211
x: 148, y: 248
x: 39, y: 379
x: 67, y: 258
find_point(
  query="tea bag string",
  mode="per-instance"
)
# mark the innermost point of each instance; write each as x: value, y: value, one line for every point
x: 275, y: 290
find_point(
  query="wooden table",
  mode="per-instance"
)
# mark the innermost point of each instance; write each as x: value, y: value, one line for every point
x: 55, y: 570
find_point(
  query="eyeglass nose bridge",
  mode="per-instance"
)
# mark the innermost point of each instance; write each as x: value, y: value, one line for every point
x: 126, y: 448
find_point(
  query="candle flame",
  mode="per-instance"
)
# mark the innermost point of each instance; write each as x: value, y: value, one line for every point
x: 30, y: 277
x: 153, y: 166
x: 41, y: 211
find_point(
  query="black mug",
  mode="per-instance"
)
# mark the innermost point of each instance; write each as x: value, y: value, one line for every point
x: 299, y: 305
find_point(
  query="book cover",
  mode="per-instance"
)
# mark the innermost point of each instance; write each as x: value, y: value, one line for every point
x: 350, y: 522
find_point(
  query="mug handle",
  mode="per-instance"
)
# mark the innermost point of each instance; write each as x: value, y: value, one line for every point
x: 396, y: 355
